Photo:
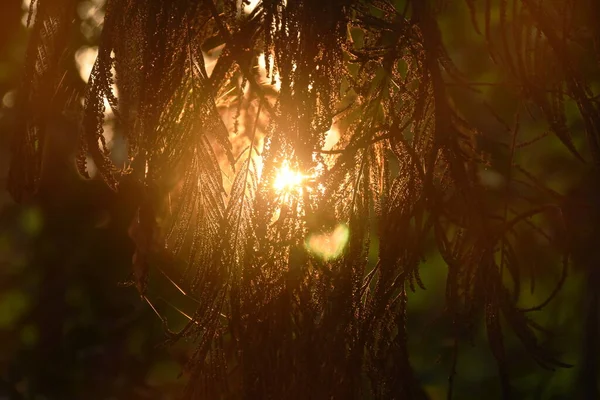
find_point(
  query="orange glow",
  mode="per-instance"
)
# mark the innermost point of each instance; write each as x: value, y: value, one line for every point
x: 274, y: 76
x: 331, y: 138
x: 288, y: 180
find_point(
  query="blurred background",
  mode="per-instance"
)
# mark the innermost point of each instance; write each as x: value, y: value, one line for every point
x: 71, y: 327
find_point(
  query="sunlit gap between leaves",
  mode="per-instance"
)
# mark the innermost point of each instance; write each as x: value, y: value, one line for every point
x: 287, y: 183
x: 288, y: 180
x: 325, y: 245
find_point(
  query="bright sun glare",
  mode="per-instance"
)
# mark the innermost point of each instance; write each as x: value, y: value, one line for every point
x: 288, y: 180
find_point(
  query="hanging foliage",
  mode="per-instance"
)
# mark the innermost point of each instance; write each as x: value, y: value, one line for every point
x: 298, y: 159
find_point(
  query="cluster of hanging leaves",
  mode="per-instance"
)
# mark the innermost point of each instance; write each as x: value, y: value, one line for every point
x: 272, y: 317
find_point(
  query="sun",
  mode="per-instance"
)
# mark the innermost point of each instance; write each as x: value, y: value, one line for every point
x: 288, y: 180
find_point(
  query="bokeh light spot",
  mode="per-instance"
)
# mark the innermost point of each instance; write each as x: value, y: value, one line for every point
x: 85, y: 58
x: 13, y: 304
x: 329, y: 245
x: 31, y: 221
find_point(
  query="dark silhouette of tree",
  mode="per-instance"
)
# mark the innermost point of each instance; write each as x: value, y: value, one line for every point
x: 299, y: 256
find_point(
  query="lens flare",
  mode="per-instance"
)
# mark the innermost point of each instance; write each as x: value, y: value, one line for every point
x: 288, y: 180
x: 328, y: 246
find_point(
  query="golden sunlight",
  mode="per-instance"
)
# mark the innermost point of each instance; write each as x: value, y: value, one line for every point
x: 330, y: 245
x: 288, y: 180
